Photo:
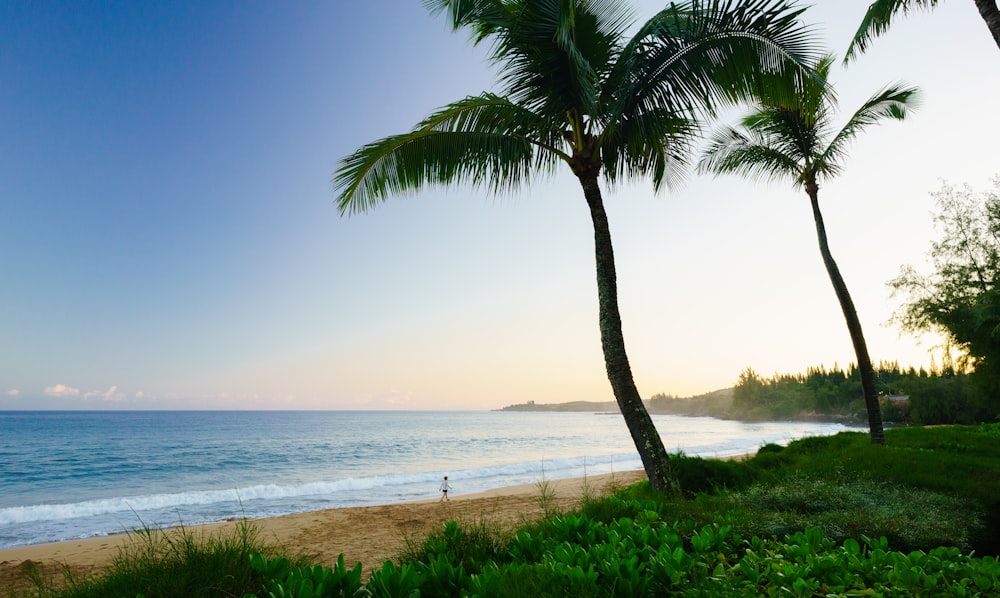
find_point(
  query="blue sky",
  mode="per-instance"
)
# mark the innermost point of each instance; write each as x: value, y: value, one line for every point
x: 168, y: 237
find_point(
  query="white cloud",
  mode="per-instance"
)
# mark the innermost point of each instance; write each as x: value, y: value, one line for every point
x: 61, y: 390
x: 12, y: 392
x: 110, y: 394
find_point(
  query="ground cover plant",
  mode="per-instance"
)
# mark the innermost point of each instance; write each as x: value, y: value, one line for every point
x: 826, y: 516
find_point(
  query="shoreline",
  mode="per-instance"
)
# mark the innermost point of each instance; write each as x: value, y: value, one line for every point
x: 369, y: 535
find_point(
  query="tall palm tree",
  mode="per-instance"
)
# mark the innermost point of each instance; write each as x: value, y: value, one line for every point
x: 797, y: 142
x: 881, y: 12
x: 578, y: 93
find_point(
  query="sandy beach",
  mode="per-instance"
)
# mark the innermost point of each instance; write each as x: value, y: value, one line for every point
x: 369, y: 535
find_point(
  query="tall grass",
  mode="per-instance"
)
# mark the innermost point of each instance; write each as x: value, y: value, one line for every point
x: 173, y: 563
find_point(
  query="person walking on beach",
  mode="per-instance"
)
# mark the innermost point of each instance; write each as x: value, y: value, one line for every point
x: 444, y: 490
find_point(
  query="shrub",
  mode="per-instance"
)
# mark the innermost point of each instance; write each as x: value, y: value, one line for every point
x: 911, y: 519
x: 176, y: 563
x: 697, y: 475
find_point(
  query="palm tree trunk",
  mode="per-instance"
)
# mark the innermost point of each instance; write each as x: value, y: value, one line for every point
x: 991, y: 14
x: 647, y: 440
x: 875, y: 429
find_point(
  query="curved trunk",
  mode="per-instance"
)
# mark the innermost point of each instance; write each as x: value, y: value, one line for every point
x: 640, y: 425
x: 853, y: 324
x: 988, y: 10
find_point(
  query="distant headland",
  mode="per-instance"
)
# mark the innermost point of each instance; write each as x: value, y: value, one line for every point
x: 715, y: 404
x: 718, y: 404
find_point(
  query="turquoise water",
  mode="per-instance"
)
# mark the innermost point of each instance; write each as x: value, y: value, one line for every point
x: 70, y: 475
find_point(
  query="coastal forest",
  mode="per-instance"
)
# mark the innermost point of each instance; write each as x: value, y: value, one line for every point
x: 906, y: 396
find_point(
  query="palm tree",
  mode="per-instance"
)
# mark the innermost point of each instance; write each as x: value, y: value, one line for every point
x: 881, y: 12
x: 578, y: 93
x: 794, y: 142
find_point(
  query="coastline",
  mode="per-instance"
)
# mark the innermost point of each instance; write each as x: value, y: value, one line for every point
x: 369, y: 535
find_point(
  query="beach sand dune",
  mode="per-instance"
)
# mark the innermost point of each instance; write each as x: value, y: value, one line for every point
x: 369, y: 535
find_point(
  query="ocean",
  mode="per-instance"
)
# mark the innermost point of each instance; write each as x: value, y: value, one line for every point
x: 71, y: 475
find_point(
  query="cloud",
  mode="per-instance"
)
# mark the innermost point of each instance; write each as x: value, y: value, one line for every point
x: 12, y: 392
x: 110, y: 394
x: 61, y: 390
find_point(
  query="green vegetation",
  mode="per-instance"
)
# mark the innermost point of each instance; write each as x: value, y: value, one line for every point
x: 960, y: 299
x: 910, y: 396
x: 825, y: 516
x: 169, y: 563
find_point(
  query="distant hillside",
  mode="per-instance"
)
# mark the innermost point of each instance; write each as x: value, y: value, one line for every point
x: 584, y: 406
x: 716, y: 404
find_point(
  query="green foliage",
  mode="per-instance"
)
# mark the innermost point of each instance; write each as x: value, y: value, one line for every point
x: 936, y: 397
x: 818, y: 391
x: 284, y: 580
x: 175, y: 564
x: 910, y: 518
x: 631, y: 559
x: 697, y: 475
x: 943, y: 400
x: 960, y: 298
x: 959, y: 461
x: 547, y: 498
x: 470, y: 546
x: 748, y: 392
x: 392, y: 581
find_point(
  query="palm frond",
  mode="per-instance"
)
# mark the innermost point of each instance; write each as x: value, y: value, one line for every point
x: 893, y: 102
x: 812, y: 97
x: 553, y: 53
x: 483, y: 17
x: 481, y: 140
x: 705, y: 53
x: 732, y: 151
x: 788, y: 130
x: 877, y: 20
x: 493, y: 113
x: 792, y: 138
x: 613, y: 16
x: 655, y: 143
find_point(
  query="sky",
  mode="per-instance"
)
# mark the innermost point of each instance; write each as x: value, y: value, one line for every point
x: 169, y: 240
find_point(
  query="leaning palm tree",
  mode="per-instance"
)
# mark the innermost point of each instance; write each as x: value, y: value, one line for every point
x: 881, y: 12
x: 797, y: 142
x: 577, y: 92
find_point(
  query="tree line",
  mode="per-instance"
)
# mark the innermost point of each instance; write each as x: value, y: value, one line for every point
x: 945, y: 395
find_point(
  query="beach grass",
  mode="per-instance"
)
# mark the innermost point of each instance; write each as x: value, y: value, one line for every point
x: 167, y: 562
x: 826, y: 515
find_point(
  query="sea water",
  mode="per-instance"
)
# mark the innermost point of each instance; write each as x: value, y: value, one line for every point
x: 72, y: 475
